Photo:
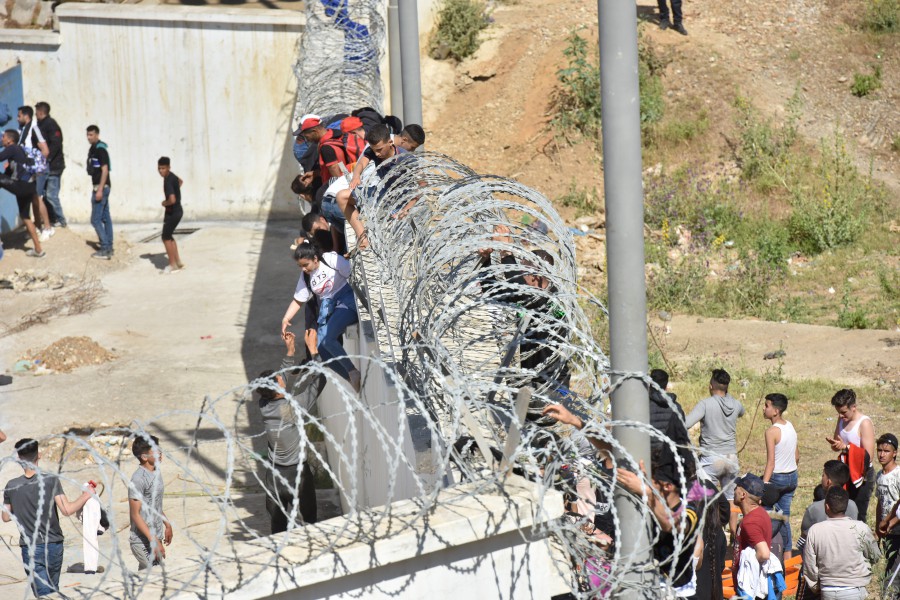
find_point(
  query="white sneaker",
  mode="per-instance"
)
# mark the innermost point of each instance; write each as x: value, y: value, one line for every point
x: 45, y: 235
x: 51, y: 230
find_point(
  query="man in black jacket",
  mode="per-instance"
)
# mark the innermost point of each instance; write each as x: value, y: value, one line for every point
x: 48, y: 183
x: 668, y: 419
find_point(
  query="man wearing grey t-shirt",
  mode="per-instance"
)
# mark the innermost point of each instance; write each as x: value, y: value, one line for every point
x: 33, y: 501
x: 718, y: 415
x: 287, y: 481
x: 150, y: 528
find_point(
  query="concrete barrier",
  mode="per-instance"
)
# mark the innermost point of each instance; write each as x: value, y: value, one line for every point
x: 210, y: 87
x: 487, y: 543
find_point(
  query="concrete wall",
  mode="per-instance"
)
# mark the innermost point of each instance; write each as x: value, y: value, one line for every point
x: 211, y: 87
x: 472, y: 542
x: 370, y: 470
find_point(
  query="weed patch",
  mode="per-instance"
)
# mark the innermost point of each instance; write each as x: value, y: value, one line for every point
x: 585, y: 202
x: 882, y: 16
x: 831, y: 210
x: 457, y: 30
x: 865, y: 84
x: 576, y: 102
x: 850, y: 315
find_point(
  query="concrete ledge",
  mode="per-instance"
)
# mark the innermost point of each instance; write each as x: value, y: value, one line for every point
x: 471, y: 533
x: 16, y: 38
x: 181, y: 14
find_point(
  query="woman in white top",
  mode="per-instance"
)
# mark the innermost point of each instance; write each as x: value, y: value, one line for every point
x: 328, y: 274
x: 782, y: 456
x: 857, y: 429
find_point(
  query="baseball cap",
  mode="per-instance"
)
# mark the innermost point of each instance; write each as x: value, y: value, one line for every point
x: 752, y: 484
x: 351, y: 124
x: 304, y: 120
x: 888, y: 438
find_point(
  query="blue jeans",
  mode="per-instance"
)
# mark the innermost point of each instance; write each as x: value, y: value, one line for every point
x: 332, y: 213
x: 785, y: 480
x: 335, y: 316
x: 48, y: 187
x: 101, y: 220
x: 48, y: 560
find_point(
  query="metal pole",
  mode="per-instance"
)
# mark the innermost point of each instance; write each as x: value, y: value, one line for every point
x: 409, y: 58
x: 621, y: 122
x: 394, y: 64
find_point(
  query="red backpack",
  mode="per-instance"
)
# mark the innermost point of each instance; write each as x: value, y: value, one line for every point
x: 348, y: 148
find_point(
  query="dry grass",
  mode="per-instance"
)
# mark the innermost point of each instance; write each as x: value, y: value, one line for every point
x: 81, y: 299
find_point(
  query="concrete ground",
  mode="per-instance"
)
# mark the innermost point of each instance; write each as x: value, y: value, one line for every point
x: 181, y: 342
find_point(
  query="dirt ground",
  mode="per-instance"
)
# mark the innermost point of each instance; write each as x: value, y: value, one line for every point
x: 495, y: 107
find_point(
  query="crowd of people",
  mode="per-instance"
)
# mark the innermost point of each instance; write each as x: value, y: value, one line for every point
x: 838, y: 549
x: 34, y: 162
x: 696, y: 494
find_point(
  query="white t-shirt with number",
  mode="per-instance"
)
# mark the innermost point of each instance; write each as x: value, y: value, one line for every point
x: 327, y: 280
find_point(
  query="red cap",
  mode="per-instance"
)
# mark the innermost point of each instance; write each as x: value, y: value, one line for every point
x: 351, y: 124
x: 309, y: 124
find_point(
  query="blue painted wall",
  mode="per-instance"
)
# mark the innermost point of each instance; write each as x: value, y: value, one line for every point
x: 11, y: 98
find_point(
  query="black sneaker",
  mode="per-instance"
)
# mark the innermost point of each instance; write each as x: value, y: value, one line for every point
x: 101, y: 255
x: 679, y: 27
x: 664, y: 24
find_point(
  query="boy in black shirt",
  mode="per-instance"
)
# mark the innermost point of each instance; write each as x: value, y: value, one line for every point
x: 172, y: 203
x: 98, y: 167
x: 19, y: 182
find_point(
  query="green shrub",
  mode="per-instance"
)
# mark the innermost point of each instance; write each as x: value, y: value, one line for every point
x: 863, y: 85
x: 576, y: 102
x: 850, y: 315
x: 650, y: 69
x: 677, y: 286
x: 577, y: 97
x: 456, y: 33
x: 882, y: 16
x: 745, y: 289
x: 895, y: 143
x: 834, y: 212
x: 763, y: 150
x: 704, y: 206
x: 772, y: 245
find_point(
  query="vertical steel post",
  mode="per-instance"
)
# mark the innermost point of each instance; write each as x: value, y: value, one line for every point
x: 394, y: 62
x: 409, y: 58
x: 621, y: 122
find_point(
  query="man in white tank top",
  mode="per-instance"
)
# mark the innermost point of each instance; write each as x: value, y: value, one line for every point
x: 782, y: 456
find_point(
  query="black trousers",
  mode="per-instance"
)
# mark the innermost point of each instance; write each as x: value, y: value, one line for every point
x: 664, y: 10
x: 862, y: 494
x: 302, y: 488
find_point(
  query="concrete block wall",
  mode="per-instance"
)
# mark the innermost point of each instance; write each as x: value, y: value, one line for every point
x: 210, y: 87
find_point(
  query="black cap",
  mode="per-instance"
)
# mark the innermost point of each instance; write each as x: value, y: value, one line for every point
x: 888, y: 438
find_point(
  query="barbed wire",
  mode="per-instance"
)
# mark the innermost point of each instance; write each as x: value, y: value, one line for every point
x: 469, y: 286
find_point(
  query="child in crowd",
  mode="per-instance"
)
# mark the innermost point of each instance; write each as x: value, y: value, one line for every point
x: 379, y: 150
x: 328, y: 274
x: 887, y: 492
x: 150, y: 529
x: 410, y: 138
x: 172, y: 203
x: 782, y: 456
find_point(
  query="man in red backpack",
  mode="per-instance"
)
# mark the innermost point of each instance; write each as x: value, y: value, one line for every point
x: 335, y: 148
